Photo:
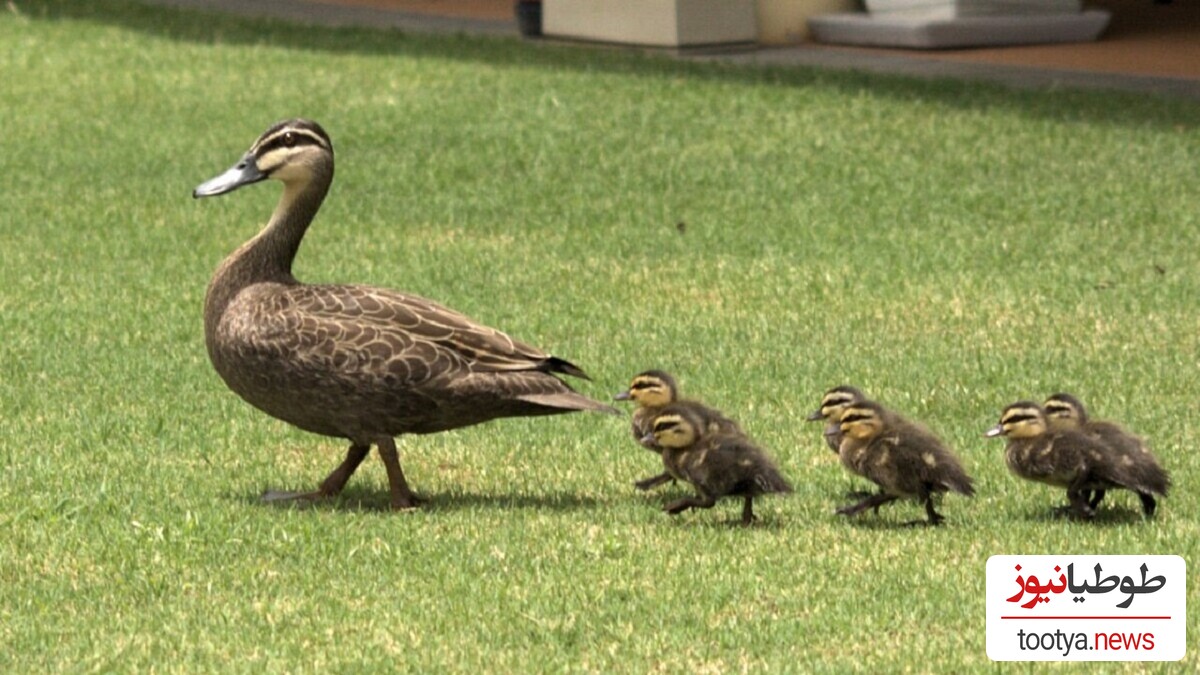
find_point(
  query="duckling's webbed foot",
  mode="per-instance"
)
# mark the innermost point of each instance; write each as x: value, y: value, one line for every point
x: 872, y: 502
x: 653, y: 481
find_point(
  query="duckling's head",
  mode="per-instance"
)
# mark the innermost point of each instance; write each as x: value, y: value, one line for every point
x: 863, y: 420
x: 834, y: 402
x: 676, y: 427
x: 1064, y: 411
x: 293, y: 151
x: 650, y: 389
x: 1023, y: 419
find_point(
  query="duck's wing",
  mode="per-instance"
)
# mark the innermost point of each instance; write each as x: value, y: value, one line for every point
x: 342, y: 328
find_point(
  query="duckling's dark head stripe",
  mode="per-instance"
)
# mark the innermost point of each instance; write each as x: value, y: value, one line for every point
x: 1022, y: 411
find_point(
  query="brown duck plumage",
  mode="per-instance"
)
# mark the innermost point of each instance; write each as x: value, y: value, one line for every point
x: 356, y: 362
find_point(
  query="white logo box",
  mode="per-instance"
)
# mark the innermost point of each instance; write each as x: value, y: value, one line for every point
x: 1086, y: 607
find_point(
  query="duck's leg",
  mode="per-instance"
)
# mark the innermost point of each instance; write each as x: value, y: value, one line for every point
x: 1095, y: 498
x: 332, y: 484
x: 335, y: 481
x: 654, y: 481
x: 402, y: 497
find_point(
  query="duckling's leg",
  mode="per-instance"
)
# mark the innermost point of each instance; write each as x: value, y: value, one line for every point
x: 1079, y: 505
x: 872, y: 502
x: 653, y: 482
x: 1148, y: 504
x: 748, y: 511
x: 680, y: 505
x: 935, y: 518
x: 1095, y: 499
x: 332, y: 484
x: 402, y: 497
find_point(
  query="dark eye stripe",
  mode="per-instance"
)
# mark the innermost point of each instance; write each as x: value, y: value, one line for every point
x: 1013, y: 419
x: 855, y: 418
x: 296, y: 138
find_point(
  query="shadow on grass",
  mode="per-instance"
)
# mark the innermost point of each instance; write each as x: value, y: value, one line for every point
x: 203, y: 27
x: 364, y: 500
x: 1106, y: 516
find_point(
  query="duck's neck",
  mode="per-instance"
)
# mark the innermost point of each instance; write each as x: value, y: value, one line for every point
x: 267, y: 258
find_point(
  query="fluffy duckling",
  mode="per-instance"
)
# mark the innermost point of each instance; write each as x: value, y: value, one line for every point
x: 1066, y: 458
x: 1065, y: 412
x: 833, y: 404
x: 903, y: 458
x: 716, y: 463
x: 652, y: 390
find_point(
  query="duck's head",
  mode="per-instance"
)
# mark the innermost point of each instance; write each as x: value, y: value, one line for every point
x: 651, y: 389
x: 675, y: 427
x: 863, y: 420
x: 834, y: 402
x: 1023, y: 419
x: 1064, y: 411
x: 293, y: 151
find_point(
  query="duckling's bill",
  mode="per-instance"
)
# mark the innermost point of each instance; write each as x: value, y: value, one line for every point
x: 244, y: 172
x: 995, y: 431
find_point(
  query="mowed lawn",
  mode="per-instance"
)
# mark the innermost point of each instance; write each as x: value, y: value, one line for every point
x: 763, y: 234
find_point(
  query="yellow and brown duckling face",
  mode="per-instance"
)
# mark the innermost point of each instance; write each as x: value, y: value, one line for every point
x: 1064, y: 411
x: 835, y: 402
x: 650, y: 389
x: 676, y: 428
x: 1023, y: 419
x: 863, y: 420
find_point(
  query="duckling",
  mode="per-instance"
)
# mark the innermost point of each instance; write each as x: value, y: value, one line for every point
x: 1065, y: 412
x: 652, y: 390
x: 355, y: 362
x: 716, y: 463
x: 903, y: 458
x: 833, y: 404
x: 1065, y: 458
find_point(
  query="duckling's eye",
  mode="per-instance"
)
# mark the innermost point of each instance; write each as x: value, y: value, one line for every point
x: 289, y: 139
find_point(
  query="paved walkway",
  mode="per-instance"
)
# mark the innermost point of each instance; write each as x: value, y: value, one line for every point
x: 379, y: 15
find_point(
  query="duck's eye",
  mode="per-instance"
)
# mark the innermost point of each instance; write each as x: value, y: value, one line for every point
x: 289, y: 139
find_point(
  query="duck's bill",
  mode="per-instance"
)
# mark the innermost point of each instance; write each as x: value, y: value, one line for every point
x: 244, y: 172
x: 623, y: 396
x: 648, y: 439
x: 994, y: 431
x: 815, y: 416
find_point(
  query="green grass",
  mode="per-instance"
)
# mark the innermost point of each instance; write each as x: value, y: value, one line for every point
x: 948, y: 247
